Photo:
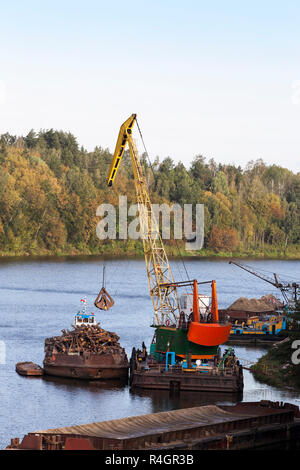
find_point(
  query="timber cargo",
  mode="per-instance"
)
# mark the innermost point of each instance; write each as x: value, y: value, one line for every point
x: 243, y: 426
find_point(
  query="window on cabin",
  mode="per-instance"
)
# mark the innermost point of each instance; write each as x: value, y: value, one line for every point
x: 183, y: 302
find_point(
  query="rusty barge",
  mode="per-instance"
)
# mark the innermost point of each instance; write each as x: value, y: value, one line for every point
x: 244, y: 426
x: 186, y: 356
x: 176, y: 380
x: 86, y: 352
x: 87, y: 366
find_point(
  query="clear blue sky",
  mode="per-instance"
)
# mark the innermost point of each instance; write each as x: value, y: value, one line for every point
x: 220, y: 78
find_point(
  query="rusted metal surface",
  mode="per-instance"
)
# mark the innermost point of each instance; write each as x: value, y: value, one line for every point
x: 225, y: 375
x: 78, y: 443
x: 205, y: 427
x: 87, y: 366
x: 86, y: 352
x: 91, y: 338
x: 29, y: 369
x: 31, y: 442
x: 239, y: 315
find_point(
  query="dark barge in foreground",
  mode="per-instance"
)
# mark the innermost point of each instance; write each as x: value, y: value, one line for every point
x: 243, y: 426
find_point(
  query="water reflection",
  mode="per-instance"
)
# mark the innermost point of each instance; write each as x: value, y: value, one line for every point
x: 91, y: 385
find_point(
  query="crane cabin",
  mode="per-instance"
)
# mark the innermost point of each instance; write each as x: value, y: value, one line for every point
x: 186, y: 304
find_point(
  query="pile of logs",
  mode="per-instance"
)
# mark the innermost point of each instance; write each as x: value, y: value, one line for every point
x: 84, y: 339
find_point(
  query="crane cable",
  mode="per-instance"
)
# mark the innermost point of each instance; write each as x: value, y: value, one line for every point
x: 182, y: 260
x: 147, y: 154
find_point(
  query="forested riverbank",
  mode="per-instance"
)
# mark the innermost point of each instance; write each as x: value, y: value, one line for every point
x: 50, y: 188
x: 276, y: 368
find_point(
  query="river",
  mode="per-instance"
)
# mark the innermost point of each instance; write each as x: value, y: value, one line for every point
x: 38, y: 298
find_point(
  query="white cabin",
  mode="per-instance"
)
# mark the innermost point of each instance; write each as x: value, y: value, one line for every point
x: 186, y: 303
x: 84, y: 319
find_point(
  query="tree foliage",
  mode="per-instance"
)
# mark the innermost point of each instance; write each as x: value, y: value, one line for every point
x: 50, y: 189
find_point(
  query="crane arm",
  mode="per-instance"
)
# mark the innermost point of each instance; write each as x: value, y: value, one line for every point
x: 284, y: 287
x: 122, y: 140
x: 251, y: 271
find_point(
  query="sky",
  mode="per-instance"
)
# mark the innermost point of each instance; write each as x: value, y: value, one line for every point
x: 218, y: 78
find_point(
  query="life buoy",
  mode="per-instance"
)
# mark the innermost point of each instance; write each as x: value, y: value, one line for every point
x: 167, y: 322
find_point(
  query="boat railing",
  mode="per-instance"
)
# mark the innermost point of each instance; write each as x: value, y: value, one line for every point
x: 178, y: 369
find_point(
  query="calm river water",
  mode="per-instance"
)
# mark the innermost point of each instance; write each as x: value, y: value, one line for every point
x: 39, y: 298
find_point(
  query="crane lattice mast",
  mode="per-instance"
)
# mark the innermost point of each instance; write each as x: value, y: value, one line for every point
x: 164, y: 296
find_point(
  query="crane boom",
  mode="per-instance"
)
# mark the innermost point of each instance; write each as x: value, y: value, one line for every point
x: 251, y: 271
x: 163, y: 294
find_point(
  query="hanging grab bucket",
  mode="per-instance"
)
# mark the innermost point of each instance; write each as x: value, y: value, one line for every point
x: 104, y: 301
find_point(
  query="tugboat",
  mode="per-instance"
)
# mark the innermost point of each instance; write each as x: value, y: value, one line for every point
x: 86, y: 352
x: 189, y: 336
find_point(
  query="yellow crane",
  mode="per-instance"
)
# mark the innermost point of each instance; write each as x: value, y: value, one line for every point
x: 164, y: 296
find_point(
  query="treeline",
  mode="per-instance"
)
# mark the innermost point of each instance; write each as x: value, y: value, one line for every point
x: 50, y: 189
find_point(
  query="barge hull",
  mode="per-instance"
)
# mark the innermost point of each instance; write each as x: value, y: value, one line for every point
x: 187, y: 382
x: 255, y: 339
x: 87, y: 373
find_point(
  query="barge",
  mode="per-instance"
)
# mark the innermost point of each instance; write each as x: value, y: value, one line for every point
x: 218, y: 375
x: 243, y: 426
